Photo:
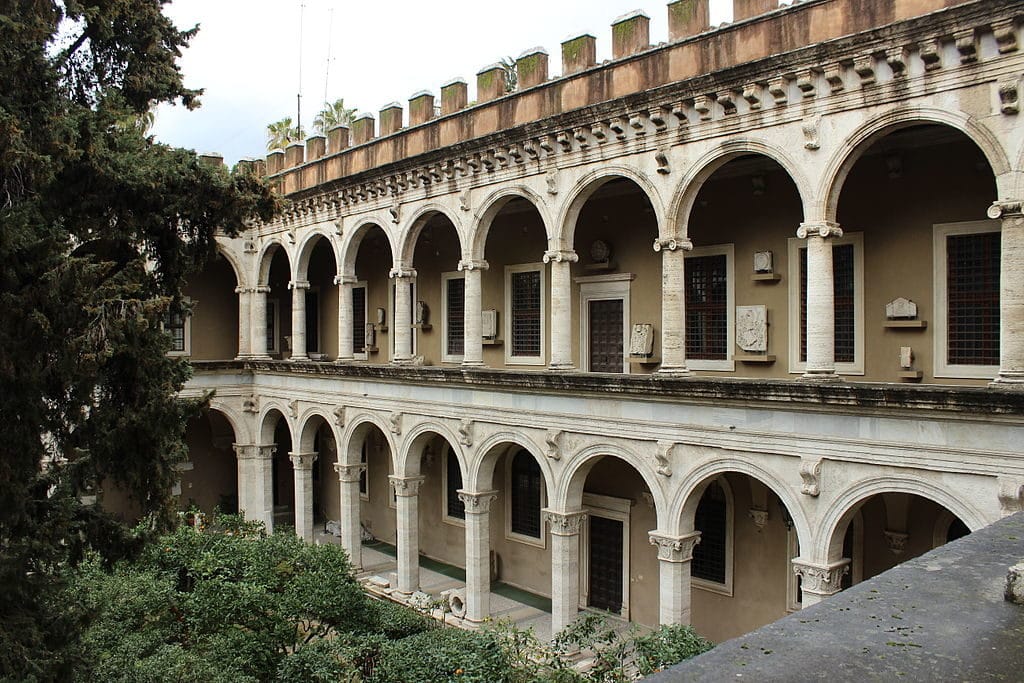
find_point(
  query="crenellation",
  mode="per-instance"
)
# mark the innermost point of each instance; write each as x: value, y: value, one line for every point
x: 578, y: 54
x: 490, y: 83
x: 631, y: 33
x: 747, y: 9
x: 294, y: 154
x: 390, y: 119
x: 316, y: 147
x: 454, y: 96
x: 687, y: 18
x: 337, y: 138
x: 363, y: 128
x: 532, y: 68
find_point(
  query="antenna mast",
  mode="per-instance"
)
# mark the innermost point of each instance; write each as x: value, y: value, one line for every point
x: 298, y: 96
x: 327, y: 70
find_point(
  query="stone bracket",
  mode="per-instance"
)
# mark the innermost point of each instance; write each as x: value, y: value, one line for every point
x: 810, y: 473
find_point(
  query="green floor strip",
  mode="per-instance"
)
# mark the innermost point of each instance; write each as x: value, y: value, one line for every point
x: 502, y: 589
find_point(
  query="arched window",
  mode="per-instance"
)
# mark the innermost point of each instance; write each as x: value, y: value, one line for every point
x: 525, y: 495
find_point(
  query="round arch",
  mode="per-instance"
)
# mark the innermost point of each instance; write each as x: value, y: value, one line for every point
x: 309, y: 426
x: 268, y: 426
x: 353, y: 238
x: 309, y: 242
x: 224, y: 249
x: 684, y: 505
x: 408, y: 462
x: 492, y: 206
x: 829, y: 544
x: 705, y: 167
x: 493, y: 448
x: 860, y: 140
x: 569, y: 491
x: 266, y: 257
x: 351, y: 443
x: 585, y: 188
x: 411, y: 232
x: 238, y: 425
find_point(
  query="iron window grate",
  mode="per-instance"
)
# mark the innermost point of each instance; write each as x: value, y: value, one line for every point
x: 710, y: 521
x: 526, y: 322
x: 707, y: 315
x: 456, y: 300
x: 843, y: 289
x: 972, y: 292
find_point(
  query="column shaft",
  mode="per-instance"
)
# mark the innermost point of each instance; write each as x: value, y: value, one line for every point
x: 473, y: 348
x: 407, y: 514
x: 244, y: 321
x: 478, y: 554
x: 256, y: 482
x: 299, y: 320
x: 820, y: 294
x: 565, y: 566
x: 346, y: 343
x: 675, y: 555
x: 673, y: 305
x: 1011, y: 293
x: 258, y: 328
x: 561, y: 308
x: 302, y: 464
x: 402, y: 328
x: 351, y: 532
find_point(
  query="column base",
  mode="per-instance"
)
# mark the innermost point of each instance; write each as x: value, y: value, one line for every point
x: 820, y: 376
x: 672, y: 371
x: 299, y: 359
x: 259, y: 357
x: 473, y: 364
x: 562, y: 367
x: 343, y: 361
x: 1008, y: 379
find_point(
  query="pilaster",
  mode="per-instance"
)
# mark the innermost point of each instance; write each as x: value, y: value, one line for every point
x: 561, y: 261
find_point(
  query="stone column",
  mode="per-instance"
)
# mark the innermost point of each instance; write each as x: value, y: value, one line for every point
x: 673, y: 304
x: 819, y: 581
x: 244, y: 322
x: 1011, y: 293
x: 407, y: 498
x: 674, y: 558
x: 346, y: 346
x: 473, y: 348
x: 298, y: 288
x: 565, y: 566
x: 402, y: 325
x: 820, y: 293
x: 256, y: 482
x: 302, y: 463
x: 259, y: 322
x: 478, y: 553
x: 561, y: 308
x: 351, y: 531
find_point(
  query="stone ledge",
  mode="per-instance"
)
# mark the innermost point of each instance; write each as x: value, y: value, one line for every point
x: 792, y: 393
x: 939, y: 617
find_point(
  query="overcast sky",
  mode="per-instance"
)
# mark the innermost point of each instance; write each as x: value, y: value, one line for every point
x: 247, y: 57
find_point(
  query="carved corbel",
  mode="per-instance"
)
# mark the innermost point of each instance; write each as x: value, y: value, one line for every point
x: 530, y: 147
x: 864, y: 65
x: 1005, y: 33
x: 810, y: 128
x: 810, y: 473
x: 501, y: 155
x: 473, y: 163
x: 806, y: 81
x: 896, y: 57
x: 658, y: 117
x: 466, y: 432
x: 461, y: 167
x: 1009, y: 97
x: 752, y: 94
x: 931, y: 54
x: 251, y: 403
x: 1011, y: 495
x: 435, y: 173
x: 599, y: 132
x: 702, y: 105
x: 759, y: 517
x: 616, y: 126
x: 293, y: 408
x: 515, y: 153
x: 395, y: 423
x: 580, y: 135
x: 966, y: 45
x: 545, y: 143
x: 896, y: 540
x: 661, y: 158
x: 551, y: 439
x: 663, y: 456
x: 638, y: 122
x: 564, y: 141
x: 777, y: 87
x: 487, y: 159
x: 727, y: 98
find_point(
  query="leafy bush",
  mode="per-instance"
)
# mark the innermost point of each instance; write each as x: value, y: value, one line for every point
x: 394, y: 621
x: 442, y: 654
x: 667, y: 646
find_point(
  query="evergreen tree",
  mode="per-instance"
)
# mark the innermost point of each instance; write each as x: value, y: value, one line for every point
x: 99, y: 226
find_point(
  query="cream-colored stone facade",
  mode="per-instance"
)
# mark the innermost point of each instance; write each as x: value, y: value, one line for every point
x: 456, y: 299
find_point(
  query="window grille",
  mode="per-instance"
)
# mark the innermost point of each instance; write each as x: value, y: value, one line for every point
x: 455, y: 316
x: 271, y: 326
x: 843, y: 288
x: 526, y: 308
x: 359, y: 319
x: 709, y: 555
x: 972, y: 292
x: 525, y: 495
x: 707, y: 315
x: 456, y: 508
x: 363, y: 487
x: 174, y: 325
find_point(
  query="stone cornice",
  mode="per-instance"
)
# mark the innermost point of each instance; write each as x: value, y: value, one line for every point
x: 840, y: 397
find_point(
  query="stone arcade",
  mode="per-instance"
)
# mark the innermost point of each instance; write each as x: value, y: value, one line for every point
x: 435, y: 343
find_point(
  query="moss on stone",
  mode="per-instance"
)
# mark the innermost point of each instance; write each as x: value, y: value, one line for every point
x: 485, y: 80
x: 623, y: 32
x: 572, y: 49
x: 528, y: 65
x: 683, y: 11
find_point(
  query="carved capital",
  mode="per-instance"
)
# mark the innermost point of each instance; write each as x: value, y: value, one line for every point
x: 820, y: 579
x: 348, y: 474
x: 561, y: 256
x: 674, y: 548
x: 302, y: 461
x: 565, y: 523
x: 345, y: 280
x: 473, y: 264
x: 896, y: 540
x: 477, y: 502
x: 673, y: 243
x: 405, y: 486
x: 298, y: 284
x: 254, y: 451
x: 262, y: 289
x: 810, y: 473
x: 819, y: 229
x: 402, y: 271
x: 1010, y: 208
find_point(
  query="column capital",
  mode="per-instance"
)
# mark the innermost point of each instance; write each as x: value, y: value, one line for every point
x: 565, y: 523
x: 473, y: 264
x: 674, y: 548
x: 405, y: 486
x: 560, y: 256
x: 253, y: 451
x: 1007, y: 208
x: 345, y: 279
x: 402, y: 271
x: 242, y: 290
x: 298, y: 284
x: 821, y: 579
x: 673, y: 243
x: 348, y: 474
x: 302, y: 461
x: 477, y: 502
x: 261, y: 289
x: 819, y: 229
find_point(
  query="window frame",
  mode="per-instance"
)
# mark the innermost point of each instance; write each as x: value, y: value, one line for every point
x: 728, y: 364
x: 364, y: 475
x: 361, y: 284
x: 313, y: 292
x: 708, y: 585
x: 445, y: 278
x: 275, y: 306
x: 613, y: 508
x: 604, y: 288
x: 942, y: 368
x: 445, y: 517
x: 186, y: 331
x: 509, y: 342
x: 510, y: 535
x: 794, y: 245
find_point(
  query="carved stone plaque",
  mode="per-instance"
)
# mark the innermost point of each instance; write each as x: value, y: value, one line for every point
x: 752, y: 328
x: 901, y: 309
x: 641, y: 341
x: 763, y: 262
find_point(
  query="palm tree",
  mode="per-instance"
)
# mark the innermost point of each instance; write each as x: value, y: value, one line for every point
x: 333, y: 114
x: 282, y: 132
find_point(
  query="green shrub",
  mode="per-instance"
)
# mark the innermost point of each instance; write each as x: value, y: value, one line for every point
x: 442, y: 654
x: 395, y: 621
x: 321, y: 661
x: 667, y: 646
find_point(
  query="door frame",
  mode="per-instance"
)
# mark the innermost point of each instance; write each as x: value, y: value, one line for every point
x: 603, y: 288
x: 612, y: 508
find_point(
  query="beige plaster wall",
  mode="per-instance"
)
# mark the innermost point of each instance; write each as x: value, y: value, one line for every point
x: 373, y: 263
x: 437, y: 251
x: 214, y: 474
x: 280, y: 276
x: 376, y: 512
x: 322, y: 270
x: 214, y: 312
x: 326, y: 486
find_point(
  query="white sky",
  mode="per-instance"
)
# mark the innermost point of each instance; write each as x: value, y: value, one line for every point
x: 246, y: 55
